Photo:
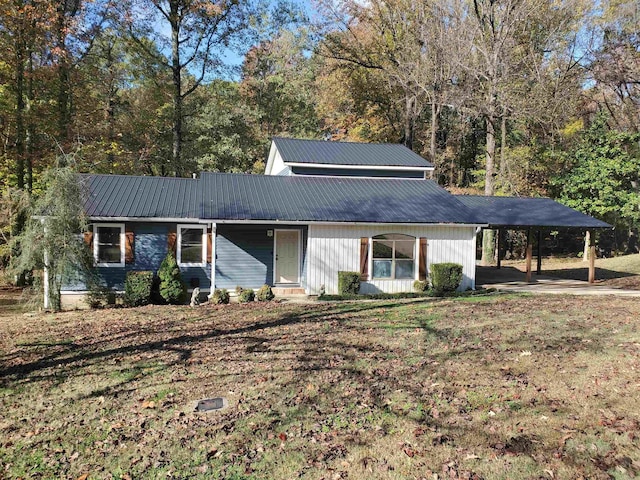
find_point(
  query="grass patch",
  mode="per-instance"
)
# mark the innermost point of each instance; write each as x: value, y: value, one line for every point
x: 497, y: 386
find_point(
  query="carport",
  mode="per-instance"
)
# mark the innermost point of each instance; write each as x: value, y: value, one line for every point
x: 532, y: 215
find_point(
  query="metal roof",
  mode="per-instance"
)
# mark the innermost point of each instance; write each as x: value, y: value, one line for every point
x: 295, y: 150
x: 527, y: 212
x: 242, y: 197
x: 323, y: 199
x: 136, y: 196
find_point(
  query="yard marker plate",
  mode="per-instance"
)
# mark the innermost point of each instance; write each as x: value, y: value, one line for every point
x: 210, y: 404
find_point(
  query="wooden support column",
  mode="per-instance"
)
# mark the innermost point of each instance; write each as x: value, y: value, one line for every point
x: 499, y: 248
x: 529, y: 255
x: 539, y: 254
x: 592, y: 257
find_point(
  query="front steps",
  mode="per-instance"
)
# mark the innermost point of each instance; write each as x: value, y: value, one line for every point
x: 280, y: 292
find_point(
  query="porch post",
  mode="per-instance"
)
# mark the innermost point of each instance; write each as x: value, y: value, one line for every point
x: 529, y: 255
x: 538, y: 256
x: 213, y: 260
x: 592, y: 257
x: 498, y: 263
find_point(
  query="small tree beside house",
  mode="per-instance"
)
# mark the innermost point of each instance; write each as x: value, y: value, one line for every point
x: 52, y: 239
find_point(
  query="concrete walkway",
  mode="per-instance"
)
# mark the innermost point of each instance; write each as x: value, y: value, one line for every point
x: 512, y: 279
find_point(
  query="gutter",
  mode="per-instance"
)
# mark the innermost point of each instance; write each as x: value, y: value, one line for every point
x: 283, y: 222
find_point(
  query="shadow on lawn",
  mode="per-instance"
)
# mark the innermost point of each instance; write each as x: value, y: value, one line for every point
x: 78, y: 353
x: 346, y: 372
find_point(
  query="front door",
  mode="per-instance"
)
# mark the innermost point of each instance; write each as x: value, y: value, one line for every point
x: 287, y: 252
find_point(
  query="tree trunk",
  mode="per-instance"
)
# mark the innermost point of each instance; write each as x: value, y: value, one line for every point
x: 64, y: 76
x: 176, y: 69
x: 31, y: 127
x: 488, y: 243
x: 489, y: 180
x: 503, y: 144
x: 20, y: 110
x: 110, y: 113
x: 434, y: 129
x: 409, y: 120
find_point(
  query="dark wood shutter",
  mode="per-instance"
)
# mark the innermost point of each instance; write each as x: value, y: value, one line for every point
x: 172, y: 240
x: 364, y: 258
x: 422, y: 260
x: 209, y: 246
x: 88, y: 239
x: 129, y: 247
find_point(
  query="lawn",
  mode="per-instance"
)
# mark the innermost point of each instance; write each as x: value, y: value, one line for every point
x: 482, y: 387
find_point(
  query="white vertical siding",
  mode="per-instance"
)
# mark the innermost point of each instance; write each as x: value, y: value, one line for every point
x: 279, y: 168
x: 332, y: 248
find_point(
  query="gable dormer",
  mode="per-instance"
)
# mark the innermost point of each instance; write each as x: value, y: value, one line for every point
x: 290, y: 156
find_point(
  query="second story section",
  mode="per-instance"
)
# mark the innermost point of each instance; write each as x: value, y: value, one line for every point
x: 290, y: 156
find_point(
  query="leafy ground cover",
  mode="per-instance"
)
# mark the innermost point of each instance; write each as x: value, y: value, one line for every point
x: 622, y: 271
x: 460, y: 388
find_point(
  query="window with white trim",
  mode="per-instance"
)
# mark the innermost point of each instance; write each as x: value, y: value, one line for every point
x: 192, y: 245
x: 108, y: 244
x: 393, y: 256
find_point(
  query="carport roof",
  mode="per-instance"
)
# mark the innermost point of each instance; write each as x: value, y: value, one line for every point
x: 519, y: 212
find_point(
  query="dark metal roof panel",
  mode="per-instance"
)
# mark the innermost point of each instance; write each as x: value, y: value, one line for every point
x: 527, y: 212
x: 295, y: 150
x: 320, y: 199
x: 135, y: 196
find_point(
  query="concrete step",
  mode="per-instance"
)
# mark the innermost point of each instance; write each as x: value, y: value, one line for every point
x: 288, y: 291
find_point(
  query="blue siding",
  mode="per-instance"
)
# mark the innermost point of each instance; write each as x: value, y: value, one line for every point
x: 150, y: 248
x: 244, y: 255
x: 360, y: 172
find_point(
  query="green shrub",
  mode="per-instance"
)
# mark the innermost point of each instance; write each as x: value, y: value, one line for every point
x: 348, y: 282
x: 246, y: 295
x: 137, y: 288
x: 445, y: 277
x: 220, y: 296
x: 172, y: 288
x: 100, y: 296
x: 265, y: 294
x: 421, y: 286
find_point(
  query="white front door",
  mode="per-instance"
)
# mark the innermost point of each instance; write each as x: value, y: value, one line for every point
x: 287, y: 252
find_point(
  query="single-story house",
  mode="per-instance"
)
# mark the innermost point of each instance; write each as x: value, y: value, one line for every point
x: 323, y: 207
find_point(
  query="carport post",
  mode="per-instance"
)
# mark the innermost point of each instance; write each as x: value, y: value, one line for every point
x: 499, y: 247
x: 529, y: 255
x: 592, y: 257
x: 538, y: 254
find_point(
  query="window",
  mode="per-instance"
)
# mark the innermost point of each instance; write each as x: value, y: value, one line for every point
x: 394, y: 256
x: 192, y: 245
x: 108, y: 244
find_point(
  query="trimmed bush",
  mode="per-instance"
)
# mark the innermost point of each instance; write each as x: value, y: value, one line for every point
x: 172, y: 288
x: 446, y: 277
x: 137, y: 288
x: 348, y: 283
x: 220, y: 296
x: 421, y: 286
x: 246, y: 295
x: 265, y: 294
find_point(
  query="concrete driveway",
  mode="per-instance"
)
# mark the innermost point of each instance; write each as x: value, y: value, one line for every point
x: 512, y: 279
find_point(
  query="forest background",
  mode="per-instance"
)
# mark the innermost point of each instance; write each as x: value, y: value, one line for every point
x: 505, y: 97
